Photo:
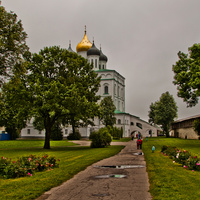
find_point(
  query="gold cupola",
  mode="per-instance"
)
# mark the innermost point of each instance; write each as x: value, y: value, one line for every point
x: 85, y: 44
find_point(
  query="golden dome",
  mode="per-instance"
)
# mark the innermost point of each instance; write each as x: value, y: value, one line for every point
x: 85, y: 44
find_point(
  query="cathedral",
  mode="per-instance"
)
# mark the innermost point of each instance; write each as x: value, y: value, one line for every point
x: 113, y: 85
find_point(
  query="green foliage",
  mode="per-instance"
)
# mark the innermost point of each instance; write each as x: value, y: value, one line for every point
x: 26, y: 166
x: 163, y: 112
x: 100, y: 138
x: 14, y: 107
x: 183, y: 157
x: 187, y: 75
x: 12, y: 43
x: 115, y: 132
x: 74, y: 136
x: 107, y: 111
x: 152, y: 113
x: 62, y: 87
x: 56, y: 132
x: 196, y: 125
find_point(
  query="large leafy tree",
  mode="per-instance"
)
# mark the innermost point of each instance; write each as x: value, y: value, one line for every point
x: 163, y: 112
x: 12, y: 43
x: 187, y: 75
x: 152, y: 113
x: 107, y: 111
x: 14, y: 106
x: 82, y: 103
x: 62, y: 87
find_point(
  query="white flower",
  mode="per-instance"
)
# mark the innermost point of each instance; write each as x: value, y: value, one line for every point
x: 177, y: 155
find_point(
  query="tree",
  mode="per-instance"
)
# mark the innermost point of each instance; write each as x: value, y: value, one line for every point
x: 107, y: 111
x: 12, y: 43
x: 163, y: 112
x: 14, y: 107
x: 82, y: 101
x: 152, y: 113
x: 62, y: 87
x: 187, y: 75
x: 196, y: 125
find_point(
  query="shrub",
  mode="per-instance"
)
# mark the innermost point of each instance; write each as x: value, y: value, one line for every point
x: 196, y: 125
x: 183, y: 157
x: 26, y: 166
x: 74, y: 136
x: 164, y: 147
x: 56, y: 133
x: 115, y: 132
x: 100, y: 138
x: 193, y: 163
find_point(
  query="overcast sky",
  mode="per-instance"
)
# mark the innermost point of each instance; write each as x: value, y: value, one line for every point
x: 141, y: 39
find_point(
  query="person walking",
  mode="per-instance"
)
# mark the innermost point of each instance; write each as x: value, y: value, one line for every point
x: 132, y: 136
x: 140, y: 143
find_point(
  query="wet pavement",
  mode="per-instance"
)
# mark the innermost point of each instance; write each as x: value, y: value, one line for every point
x: 119, y: 177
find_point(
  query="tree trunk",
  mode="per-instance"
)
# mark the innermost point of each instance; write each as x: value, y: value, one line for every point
x: 166, y: 131
x: 47, y: 138
x: 73, y: 126
x: 48, y: 124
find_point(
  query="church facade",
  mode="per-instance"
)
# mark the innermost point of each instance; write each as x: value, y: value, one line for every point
x: 112, y: 84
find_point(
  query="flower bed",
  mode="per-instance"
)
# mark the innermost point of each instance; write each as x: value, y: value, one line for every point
x: 26, y: 166
x: 182, y: 156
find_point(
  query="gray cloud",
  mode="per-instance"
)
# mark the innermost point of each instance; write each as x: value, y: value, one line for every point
x: 140, y: 38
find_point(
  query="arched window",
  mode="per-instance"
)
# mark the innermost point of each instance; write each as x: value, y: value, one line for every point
x: 139, y: 125
x: 118, y: 91
x: 119, y: 121
x: 106, y: 89
x: 132, y: 123
x: 95, y: 63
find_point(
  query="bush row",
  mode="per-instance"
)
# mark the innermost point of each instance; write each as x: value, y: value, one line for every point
x: 26, y: 166
x: 183, y: 157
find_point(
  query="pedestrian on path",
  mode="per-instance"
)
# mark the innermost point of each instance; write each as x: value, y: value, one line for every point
x: 139, y: 143
x: 132, y: 136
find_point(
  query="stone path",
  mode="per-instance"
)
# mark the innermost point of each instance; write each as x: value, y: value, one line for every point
x: 86, y: 186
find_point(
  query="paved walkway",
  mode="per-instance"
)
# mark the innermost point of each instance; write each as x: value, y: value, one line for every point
x: 87, y: 185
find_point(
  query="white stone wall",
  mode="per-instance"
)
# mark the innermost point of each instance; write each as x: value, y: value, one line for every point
x: 83, y: 54
x: 115, y: 83
x: 128, y: 123
x: 95, y: 60
x: 103, y: 64
x: 186, y: 132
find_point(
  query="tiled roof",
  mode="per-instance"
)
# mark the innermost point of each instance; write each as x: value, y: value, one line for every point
x: 188, y: 118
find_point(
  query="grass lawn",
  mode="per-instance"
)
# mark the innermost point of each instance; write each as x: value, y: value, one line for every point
x: 72, y: 160
x: 168, y: 180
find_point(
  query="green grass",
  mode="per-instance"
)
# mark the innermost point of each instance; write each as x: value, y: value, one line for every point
x: 72, y: 160
x: 17, y: 144
x: 168, y: 180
